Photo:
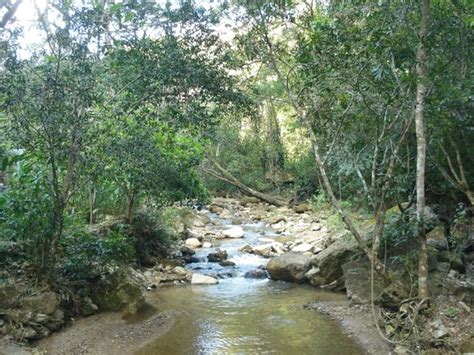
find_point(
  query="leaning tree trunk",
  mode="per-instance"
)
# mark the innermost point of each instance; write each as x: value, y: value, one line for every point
x: 224, y: 175
x: 423, y: 291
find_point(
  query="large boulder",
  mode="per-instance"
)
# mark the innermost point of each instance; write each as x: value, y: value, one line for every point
x: 120, y: 289
x: 289, y: 267
x: 357, y: 281
x: 329, y: 262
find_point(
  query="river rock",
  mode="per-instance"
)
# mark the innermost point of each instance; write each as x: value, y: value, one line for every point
x: 302, y: 208
x: 256, y: 274
x: 244, y: 201
x: 225, y: 213
x: 199, y: 279
x: 276, y: 219
x: 215, y: 209
x: 234, y: 232
x: 226, y: 263
x: 289, y: 267
x: 302, y: 248
x: 329, y: 262
x: 246, y: 249
x: 193, y: 242
x: 119, y: 290
x: 186, y: 250
x: 265, y: 250
x: 218, y: 256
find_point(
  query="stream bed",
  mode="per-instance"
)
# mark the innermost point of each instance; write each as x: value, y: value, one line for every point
x: 243, y: 315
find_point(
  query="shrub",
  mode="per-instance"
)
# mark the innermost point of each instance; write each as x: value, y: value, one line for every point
x: 87, y: 255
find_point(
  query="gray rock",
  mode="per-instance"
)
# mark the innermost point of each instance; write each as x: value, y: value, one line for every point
x: 218, y: 256
x: 119, y: 290
x: 256, y: 274
x: 438, y: 330
x: 289, y: 267
x: 199, y: 279
x: 186, y: 250
x: 330, y: 261
x: 226, y: 263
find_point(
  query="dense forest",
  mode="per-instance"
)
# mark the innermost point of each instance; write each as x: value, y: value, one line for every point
x: 357, y: 115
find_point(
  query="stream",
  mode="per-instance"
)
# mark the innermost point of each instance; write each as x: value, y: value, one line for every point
x: 244, y: 315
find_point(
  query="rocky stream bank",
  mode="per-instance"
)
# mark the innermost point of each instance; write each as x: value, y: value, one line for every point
x: 297, y: 246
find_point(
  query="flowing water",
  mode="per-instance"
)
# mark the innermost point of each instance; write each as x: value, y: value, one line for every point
x: 245, y: 316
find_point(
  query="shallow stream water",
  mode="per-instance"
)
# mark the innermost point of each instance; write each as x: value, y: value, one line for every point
x: 245, y: 316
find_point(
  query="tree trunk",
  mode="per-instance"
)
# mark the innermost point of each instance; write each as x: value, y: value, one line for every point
x: 224, y: 175
x: 92, y: 195
x: 423, y: 291
x: 130, y: 206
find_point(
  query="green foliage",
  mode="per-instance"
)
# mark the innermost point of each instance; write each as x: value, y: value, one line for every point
x: 151, y: 236
x: 26, y: 215
x: 87, y: 255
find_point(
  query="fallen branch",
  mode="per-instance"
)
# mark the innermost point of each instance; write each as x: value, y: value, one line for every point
x: 222, y: 174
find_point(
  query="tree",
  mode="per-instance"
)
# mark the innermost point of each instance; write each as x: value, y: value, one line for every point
x: 421, y: 89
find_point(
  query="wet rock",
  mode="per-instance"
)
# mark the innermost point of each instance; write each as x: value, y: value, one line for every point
x: 256, y: 274
x: 289, y: 267
x: 186, y: 250
x: 199, y: 279
x: 226, y: 263
x: 119, y: 290
x: 246, y: 249
x: 193, y: 243
x: 234, y: 232
x: 218, y: 256
x: 207, y: 245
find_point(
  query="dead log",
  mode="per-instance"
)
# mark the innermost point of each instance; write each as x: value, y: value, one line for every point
x: 222, y: 174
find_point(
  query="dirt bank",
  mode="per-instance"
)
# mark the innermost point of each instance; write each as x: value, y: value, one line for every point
x: 356, y: 322
x: 106, y: 333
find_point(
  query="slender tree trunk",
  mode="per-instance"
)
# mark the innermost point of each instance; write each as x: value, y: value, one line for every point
x: 92, y: 195
x: 423, y: 291
x: 130, y: 206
